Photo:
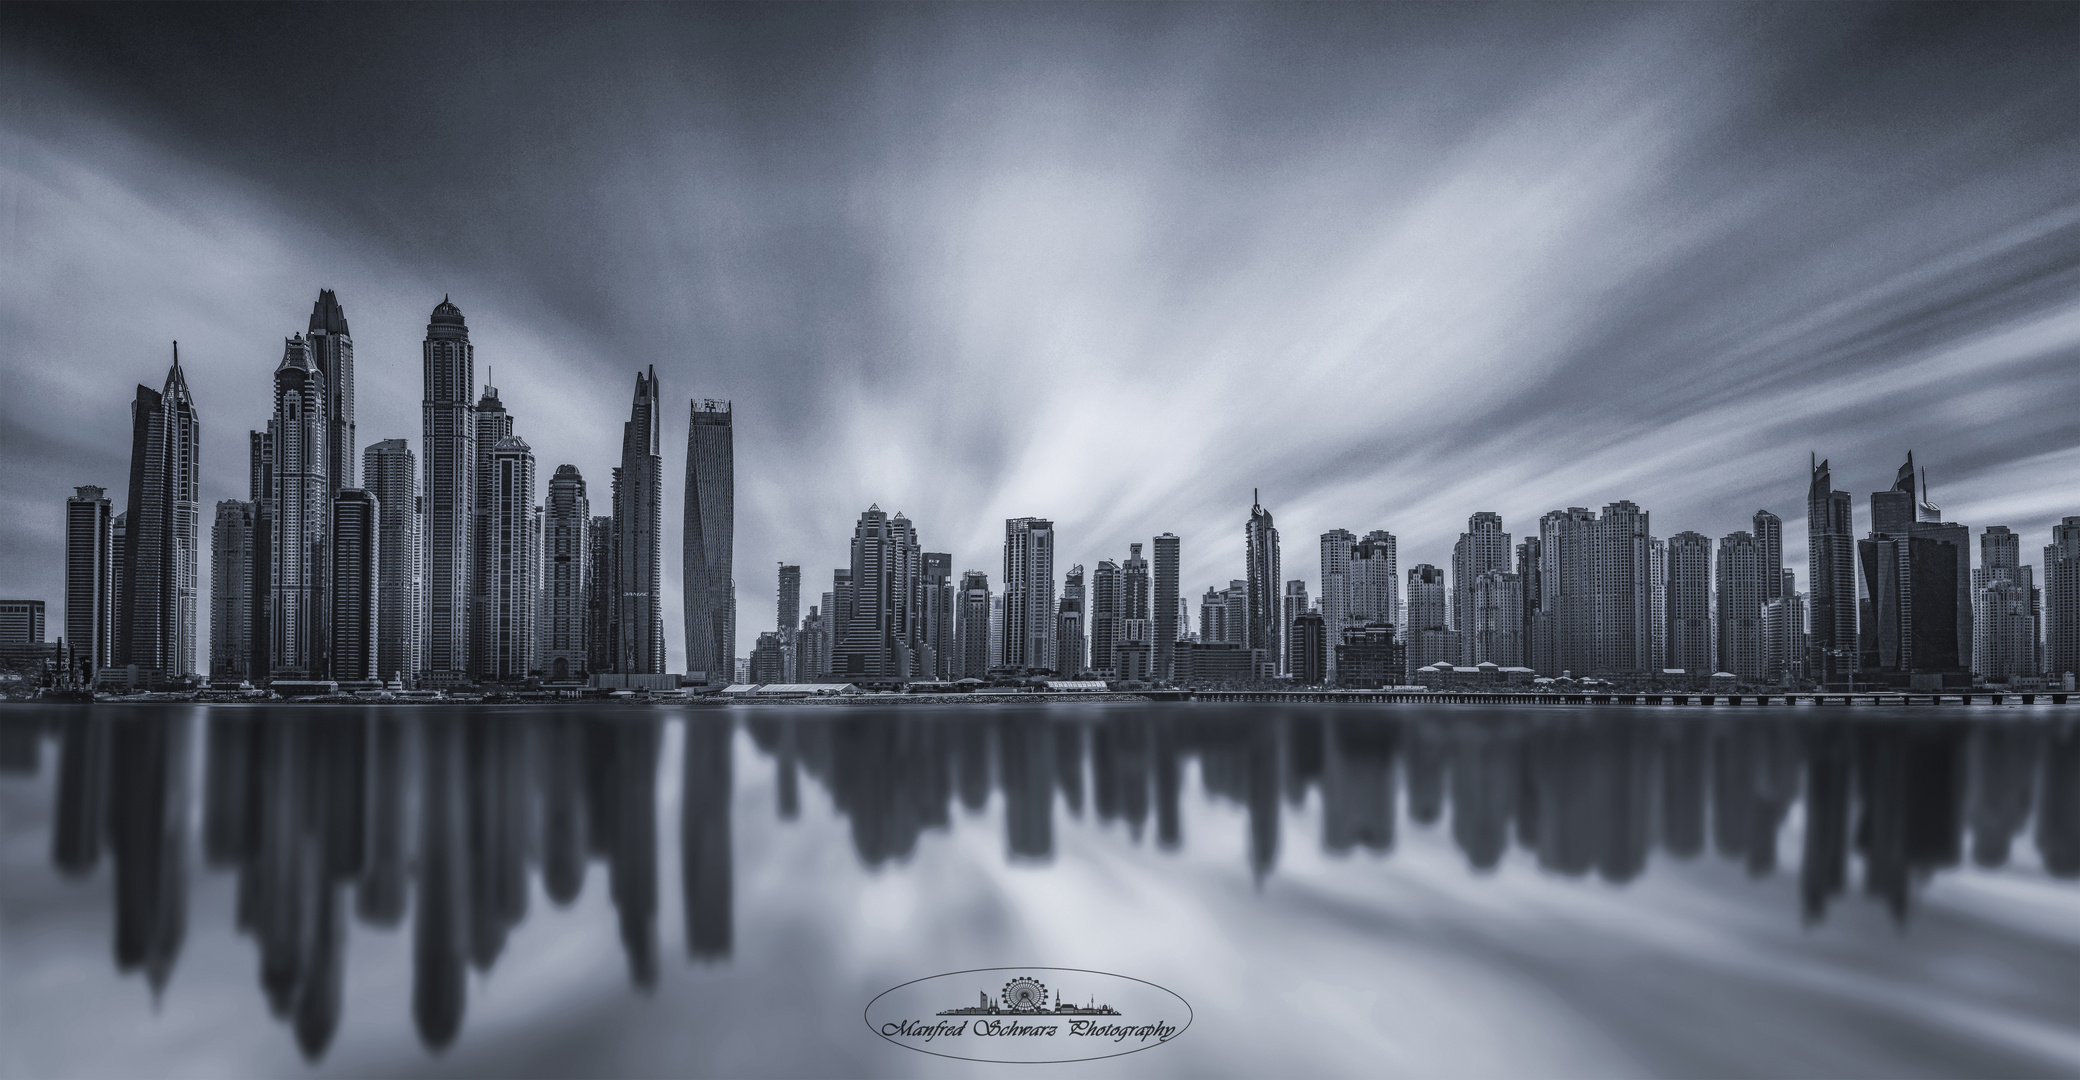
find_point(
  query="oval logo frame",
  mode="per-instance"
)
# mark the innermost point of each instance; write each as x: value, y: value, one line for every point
x: 937, y: 1015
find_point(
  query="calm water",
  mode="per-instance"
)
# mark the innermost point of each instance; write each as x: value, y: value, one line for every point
x: 192, y: 891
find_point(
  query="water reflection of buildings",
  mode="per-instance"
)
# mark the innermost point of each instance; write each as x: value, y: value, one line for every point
x: 442, y: 817
x: 323, y: 811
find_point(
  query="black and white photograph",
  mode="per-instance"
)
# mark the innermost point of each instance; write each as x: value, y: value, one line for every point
x: 1034, y: 539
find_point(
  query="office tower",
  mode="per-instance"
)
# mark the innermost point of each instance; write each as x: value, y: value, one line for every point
x: 302, y: 503
x: 566, y: 577
x: 390, y: 472
x: 1070, y: 660
x: 1028, y: 593
x: 1481, y: 548
x: 22, y: 622
x: 639, y: 551
x: 1495, y: 614
x: 1429, y: 639
x: 973, y: 628
x: 812, y: 647
x: 90, y: 578
x: 1744, y: 582
x: 356, y: 565
x: 493, y: 426
x: 332, y: 349
x: 841, y: 603
x: 1108, y: 607
x: 1167, y: 607
x: 709, y: 571
x: 2006, y: 641
x: 1912, y: 632
x: 1689, y: 610
x: 1374, y: 592
x: 2061, y: 600
x: 936, y: 630
x: 1290, y: 608
x: 601, y: 634
x: 1309, y: 651
x: 878, y: 640
x: 1658, y: 572
x: 1260, y: 552
x: 1831, y: 579
x: 1538, y: 630
x: 1769, y: 538
x: 231, y: 599
x: 162, y: 557
x: 1336, y: 547
x: 448, y: 440
x: 510, y: 574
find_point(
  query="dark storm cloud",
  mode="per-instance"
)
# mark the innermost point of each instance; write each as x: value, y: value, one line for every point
x: 1115, y: 265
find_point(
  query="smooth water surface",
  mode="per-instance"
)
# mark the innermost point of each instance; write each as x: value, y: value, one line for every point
x: 1354, y: 890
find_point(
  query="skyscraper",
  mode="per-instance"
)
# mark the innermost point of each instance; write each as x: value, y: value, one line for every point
x: 1028, y: 593
x: 709, y: 570
x: 1912, y: 632
x: 493, y: 425
x: 391, y: 473
x: 1375, y: 583
x: 1133, y: 579
x: 1596, y: 591
x: 332, y: 349
x: 936, y: 634
x: 1291, y: 607
x: 1831, y: 579
x: 1538, y: 637
x: 812, y: 654
x: 1495, y: 614
x: 1563, y: 635
x: 878, y: 639
x: 566, y: 519
x: 1430, y: 640
x: 1165, y: 607
x: 448, y: 439
x: 639, y: 551
x: 90, y: 578
x: 973, y: 628
x: 231, y: 598
x: 1108, y: 607
x: 302, y: 503
x: 787, y: 614
x: 1744, y: 582
x: 601, y: 633
x: 1070, y: 660
x: 1624, y: 590
x: 1769, y: 540
x: 1481, y: 548
x: 1335, y: 588
x: 1659, y: 573
x: 510, y: 576
x: 1260, y: 552
x: 161, y: 567
x: 2061, y: 599
x: 260, y: 584
x: 356, y: 566
x: 2007, y: 641
x: 1689, y: 611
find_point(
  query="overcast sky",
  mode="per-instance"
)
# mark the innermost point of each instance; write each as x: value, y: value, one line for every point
x: 1111, y: 265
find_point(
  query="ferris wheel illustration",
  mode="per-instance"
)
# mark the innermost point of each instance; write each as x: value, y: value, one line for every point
x: 1025, y: 994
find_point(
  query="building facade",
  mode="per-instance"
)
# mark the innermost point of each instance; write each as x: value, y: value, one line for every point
x: 1028, y: 594
x: 511, y: 574
x: 565, y: 619
x: 1744, y: 584
x: 1262, y: 634
x: 638, y: 594
x: 1482, y: 548
x: 231, y: 596
x: 448, y: 441
x: 936, y: 632
x: 390, y: 472
x: 90, y: 579
x: 1428, y: 637
x: 302, y: 504
x: 2061, y: 600
x: 1165, y: 605
x: 972, y: 626
x: 355, y: 587
x: 1070, y: 656
x: 1689, y: 605
x: 708, y: 575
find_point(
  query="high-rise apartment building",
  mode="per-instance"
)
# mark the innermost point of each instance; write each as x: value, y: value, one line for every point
x: 1070, y: 659
x: 1495, y: 614
x: 1596, y: 591
x: 1769, y: 539
x: 1263, y: 636
x: 302, y: 502
x: 601, y: 633
x: 880, y: 635
x: 493, y: 426
x: 1658, y: 573
x: 1784, y: 633
x: 1108, y: 607
x: 566, y: 574
x: 1624, y: 591
x: 1689, y: 603
x: 936, y: 649
x: 1165, y: 607
x: 1028, y: 593
x: 2061, y: 600
x: 332, y: 349
x: 355, y: 588
x: 1915, y: 622
x: 161, y: 569
x: 448, y: 440
x: 1744, y: 583
x: 390, y: 472
x: 639, y: 548
x: 972, y: 627
x: 1831, y: 580
x: 1430, y: 639
x: 1309, y: 649
x: 1336, y: 546
x: 1374, y: 593
x: 2007, y: 641
x: 1291, y: 606
x: 90, y: 578
x: 511, y: 575
x: 812, y: 653
x: 1483, y: 547
x: 231, y: 593
x: 1537, y: 627
x: 709, y: 570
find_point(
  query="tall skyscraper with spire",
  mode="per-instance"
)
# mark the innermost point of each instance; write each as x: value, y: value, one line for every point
x: 448, y: 440
x: 332, y: 349
x: 639, y: 539
x: 708, y: 573
x: 301, y: 545
x: 161, y: 566
x: 567, y: 518
x: 1260, y: 554
x: 1831, y: 578
x: 392, y: 476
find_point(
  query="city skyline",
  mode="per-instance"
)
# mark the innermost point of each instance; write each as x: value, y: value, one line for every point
x: 1897, y: 293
